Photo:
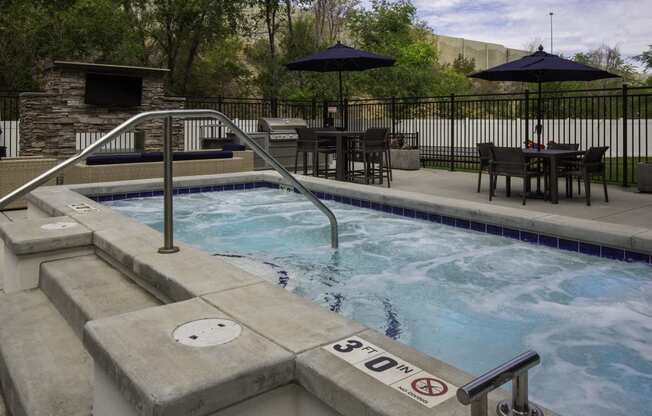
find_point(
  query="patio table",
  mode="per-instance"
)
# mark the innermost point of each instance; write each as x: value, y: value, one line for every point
x: 552, y: 157
x: 341, y: 136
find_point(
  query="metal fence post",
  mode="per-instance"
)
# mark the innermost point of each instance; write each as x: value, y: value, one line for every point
x: 313, y: 109
x: 625, y: 158
x: 452, y: 138
x: 527, y: 115
x: 325, y: 114
x: 345, y: 113
x: 220, y: 105
x: 168, y: 188
x: 274, y: 104
x: 392, y: 110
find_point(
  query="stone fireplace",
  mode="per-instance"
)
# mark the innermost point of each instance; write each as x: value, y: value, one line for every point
x: 59, y: 121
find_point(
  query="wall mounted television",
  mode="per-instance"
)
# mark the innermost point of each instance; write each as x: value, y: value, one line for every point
x: 113, y: 90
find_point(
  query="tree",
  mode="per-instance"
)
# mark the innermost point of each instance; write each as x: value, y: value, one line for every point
x: 180, y: 29
x: 32, y: 33
x: 645, y: 58
x: 390, y: 28
x: 330, y: 18
x: 464, y: 65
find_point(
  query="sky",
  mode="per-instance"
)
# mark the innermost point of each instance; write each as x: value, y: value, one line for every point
x: 578, y: 25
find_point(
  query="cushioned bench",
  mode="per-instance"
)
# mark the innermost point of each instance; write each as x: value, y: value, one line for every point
x: 144, y: 157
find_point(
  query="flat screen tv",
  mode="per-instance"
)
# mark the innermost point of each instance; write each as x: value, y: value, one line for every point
x: 113, y: 90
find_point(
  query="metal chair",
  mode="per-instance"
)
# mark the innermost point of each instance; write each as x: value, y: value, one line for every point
x: 308, y: 142
x: 510, y: 162
x: 485, y: 154
x: 373, y: 151
x: 591, y: 165
x: 567, y: 164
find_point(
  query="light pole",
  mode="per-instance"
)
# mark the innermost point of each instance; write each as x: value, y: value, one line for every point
x: 551, y: 14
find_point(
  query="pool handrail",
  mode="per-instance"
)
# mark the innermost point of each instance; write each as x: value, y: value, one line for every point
x: 515, y: 370
x: 168, y: 115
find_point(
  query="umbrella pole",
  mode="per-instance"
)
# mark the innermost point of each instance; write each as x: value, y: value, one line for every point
x: 539, y: 116
x: 341, y: 101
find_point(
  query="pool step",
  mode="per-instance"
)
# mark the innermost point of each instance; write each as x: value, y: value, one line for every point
x: 3, y: 409
x: 87, y: 288
x: 44, y: 369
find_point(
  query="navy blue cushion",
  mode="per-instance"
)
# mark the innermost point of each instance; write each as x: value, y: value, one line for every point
x: 113, y: 158
x: 152, y: 156
x: 217, y: 154
x: 118, y: 158
x: 234, y: 147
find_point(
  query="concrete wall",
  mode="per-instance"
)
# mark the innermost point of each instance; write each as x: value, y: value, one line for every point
x: 486, y: 55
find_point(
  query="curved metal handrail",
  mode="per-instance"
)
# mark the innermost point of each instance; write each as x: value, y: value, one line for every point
x: 182, y: 114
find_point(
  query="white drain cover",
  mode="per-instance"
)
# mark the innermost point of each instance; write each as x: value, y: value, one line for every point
x: 207, y: 332
x: 58, y: 225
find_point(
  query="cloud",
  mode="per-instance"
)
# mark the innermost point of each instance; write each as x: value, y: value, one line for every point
x: 578, y: 25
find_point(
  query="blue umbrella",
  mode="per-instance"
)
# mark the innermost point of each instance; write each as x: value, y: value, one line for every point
x: 340, y: 58
x: 542, y: 67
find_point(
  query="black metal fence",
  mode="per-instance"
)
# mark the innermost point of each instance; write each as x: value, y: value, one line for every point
x: 448, y: 128
x: 9, y: 124
x: 445, y: 129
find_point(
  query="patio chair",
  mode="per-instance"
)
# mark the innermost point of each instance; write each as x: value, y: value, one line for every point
x: 566, y: 164
x: 309, y: 143
x: 511, y: 162
x: 485, y: 153
x: 373, y: 151
x: 591, y: 165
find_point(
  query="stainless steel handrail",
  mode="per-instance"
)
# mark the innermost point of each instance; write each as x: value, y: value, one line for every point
x: 515, y: 370
x: 182, y: 114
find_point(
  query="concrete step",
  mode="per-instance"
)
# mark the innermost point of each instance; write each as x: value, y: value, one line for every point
x: 3, y: 409
x: 44, y: 369
x: 87, y: 288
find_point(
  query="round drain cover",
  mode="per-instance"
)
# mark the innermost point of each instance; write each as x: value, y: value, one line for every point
x: 58, y: 225
x: 207, y: 332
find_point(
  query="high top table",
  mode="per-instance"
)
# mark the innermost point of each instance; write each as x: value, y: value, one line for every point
x: 553, y: 157
x: 341, y: 136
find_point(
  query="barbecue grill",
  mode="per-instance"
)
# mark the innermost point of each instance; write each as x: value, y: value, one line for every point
x: 279, y: 137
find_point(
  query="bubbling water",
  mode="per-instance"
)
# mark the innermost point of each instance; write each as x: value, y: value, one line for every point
x: 471, y: 299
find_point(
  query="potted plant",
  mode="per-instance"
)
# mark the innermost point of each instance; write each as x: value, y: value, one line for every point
x: 404, y: 155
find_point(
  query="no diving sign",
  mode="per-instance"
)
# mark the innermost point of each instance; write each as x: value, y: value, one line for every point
x: 392, y: 371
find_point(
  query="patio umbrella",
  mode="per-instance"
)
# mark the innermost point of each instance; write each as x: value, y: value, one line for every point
x: 340, y: 58
x: 542, y: 67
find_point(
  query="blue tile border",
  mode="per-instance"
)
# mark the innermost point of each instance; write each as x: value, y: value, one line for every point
x: 493, y: 229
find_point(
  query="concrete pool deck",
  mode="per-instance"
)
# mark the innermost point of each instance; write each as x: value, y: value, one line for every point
x: 626, y: 206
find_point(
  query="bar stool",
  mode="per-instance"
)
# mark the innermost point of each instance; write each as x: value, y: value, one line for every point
x: 372, y: 151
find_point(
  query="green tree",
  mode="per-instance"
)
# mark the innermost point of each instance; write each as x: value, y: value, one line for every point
x: 391, y: 28
x: 464, y: 65
x: 645, y: 58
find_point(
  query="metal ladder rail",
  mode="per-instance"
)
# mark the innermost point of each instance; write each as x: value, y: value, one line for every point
x: 168, y: 115
x: 515, y: 370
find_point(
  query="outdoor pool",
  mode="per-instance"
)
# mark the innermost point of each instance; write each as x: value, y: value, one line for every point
x: 471, y: 299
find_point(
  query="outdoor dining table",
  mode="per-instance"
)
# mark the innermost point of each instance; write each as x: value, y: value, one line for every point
x: 341, y: 136
x: 552, y: 157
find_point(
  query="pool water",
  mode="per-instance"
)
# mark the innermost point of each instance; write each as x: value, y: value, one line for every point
x: 473, y: 300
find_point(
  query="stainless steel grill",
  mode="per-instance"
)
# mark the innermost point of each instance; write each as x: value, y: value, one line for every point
x: 279, y: 137
x: 281, y: 128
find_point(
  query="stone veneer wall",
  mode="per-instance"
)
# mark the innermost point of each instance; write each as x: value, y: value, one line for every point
x: 49, y: 120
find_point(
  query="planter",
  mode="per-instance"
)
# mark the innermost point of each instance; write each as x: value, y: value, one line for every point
x: 644, y: 175
x: 405, y: 159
